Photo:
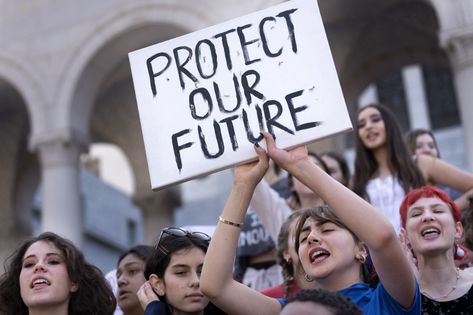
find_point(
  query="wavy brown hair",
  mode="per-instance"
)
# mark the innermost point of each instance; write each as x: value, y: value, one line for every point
x: 287, y: 267
x: 93, y: 297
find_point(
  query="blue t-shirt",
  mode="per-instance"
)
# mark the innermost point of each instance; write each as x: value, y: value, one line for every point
x: 377, y: 301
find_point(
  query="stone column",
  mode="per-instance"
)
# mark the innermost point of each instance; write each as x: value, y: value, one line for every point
x: 62, y: 211
x: 461, y: 56
x: 417, y: 106
x: 456, y: 36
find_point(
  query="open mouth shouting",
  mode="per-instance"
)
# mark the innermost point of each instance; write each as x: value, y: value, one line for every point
x: 430, y: 233
x: 39, y: 283
x: 318, y: 255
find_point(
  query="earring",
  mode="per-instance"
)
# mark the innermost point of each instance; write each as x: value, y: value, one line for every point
x: 361, y: 258
x: 308, y: 278
x: 460, y: 252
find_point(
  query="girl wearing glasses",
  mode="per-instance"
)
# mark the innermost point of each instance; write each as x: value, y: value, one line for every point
x: 330, y: 244
x: 173, y: 272
x: 49, y: 275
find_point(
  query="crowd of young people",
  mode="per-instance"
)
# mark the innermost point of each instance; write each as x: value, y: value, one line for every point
x: 385, y: 241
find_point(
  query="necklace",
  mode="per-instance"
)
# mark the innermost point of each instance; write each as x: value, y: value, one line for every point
x: 448, y: 293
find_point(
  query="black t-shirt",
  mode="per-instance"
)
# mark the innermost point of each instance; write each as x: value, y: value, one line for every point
x: 461, y: 306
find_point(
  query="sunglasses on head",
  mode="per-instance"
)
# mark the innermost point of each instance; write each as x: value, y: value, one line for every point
x: 177, y: 232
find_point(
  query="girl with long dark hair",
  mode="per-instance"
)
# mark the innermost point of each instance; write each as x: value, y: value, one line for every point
x: 384, y: 169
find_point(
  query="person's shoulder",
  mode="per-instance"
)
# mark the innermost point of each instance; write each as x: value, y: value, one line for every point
x: 386, y: 302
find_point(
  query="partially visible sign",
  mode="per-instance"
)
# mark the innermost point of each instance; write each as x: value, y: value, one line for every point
x: 203, y: 98
x: 254, y: 240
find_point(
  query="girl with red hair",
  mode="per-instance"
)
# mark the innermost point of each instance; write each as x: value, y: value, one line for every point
x: 431, y: 227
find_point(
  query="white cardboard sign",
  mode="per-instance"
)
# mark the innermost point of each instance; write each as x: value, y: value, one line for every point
x: 204, y: 97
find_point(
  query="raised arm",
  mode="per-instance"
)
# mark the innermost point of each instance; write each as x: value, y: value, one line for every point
x: 359, y: 216
x: 216, y: 281
x: 440, y: 172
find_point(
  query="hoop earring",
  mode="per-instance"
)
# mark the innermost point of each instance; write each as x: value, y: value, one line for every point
x: 308, y: 278
x: 362, y: 259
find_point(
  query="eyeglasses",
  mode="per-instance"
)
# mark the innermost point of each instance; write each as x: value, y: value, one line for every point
x: 177, y: 232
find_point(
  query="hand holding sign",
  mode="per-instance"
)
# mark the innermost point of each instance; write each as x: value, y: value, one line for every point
x: 252, y: 173
x: 284, y: 158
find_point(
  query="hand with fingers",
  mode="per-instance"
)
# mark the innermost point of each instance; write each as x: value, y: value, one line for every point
x: 284, y: 158
x: 146, y: 295
x: 252, y: 173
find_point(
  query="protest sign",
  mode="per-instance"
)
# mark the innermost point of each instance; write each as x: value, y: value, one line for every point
x: 204, y: 97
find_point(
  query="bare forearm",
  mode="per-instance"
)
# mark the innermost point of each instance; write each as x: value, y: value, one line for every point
x: 218, y: 265
x: 354, y: 211
x: 440, y: 172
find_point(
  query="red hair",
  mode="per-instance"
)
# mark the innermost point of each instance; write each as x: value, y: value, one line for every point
x: 431, y: 192
x: 427, y: 192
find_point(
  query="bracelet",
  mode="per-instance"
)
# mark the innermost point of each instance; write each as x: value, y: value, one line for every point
x: 235, y: 224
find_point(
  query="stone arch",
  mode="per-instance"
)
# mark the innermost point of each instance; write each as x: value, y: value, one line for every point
x: 413, y: 41
x: 19, y: 174
x: 99, y: 77
x: 22, y: 114
x: 109, y: 45
x: 372, y: 39
x: 381, y: 48
x: 25, y: 81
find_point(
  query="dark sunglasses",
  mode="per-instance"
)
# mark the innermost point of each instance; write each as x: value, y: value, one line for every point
x: 177, y: 232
